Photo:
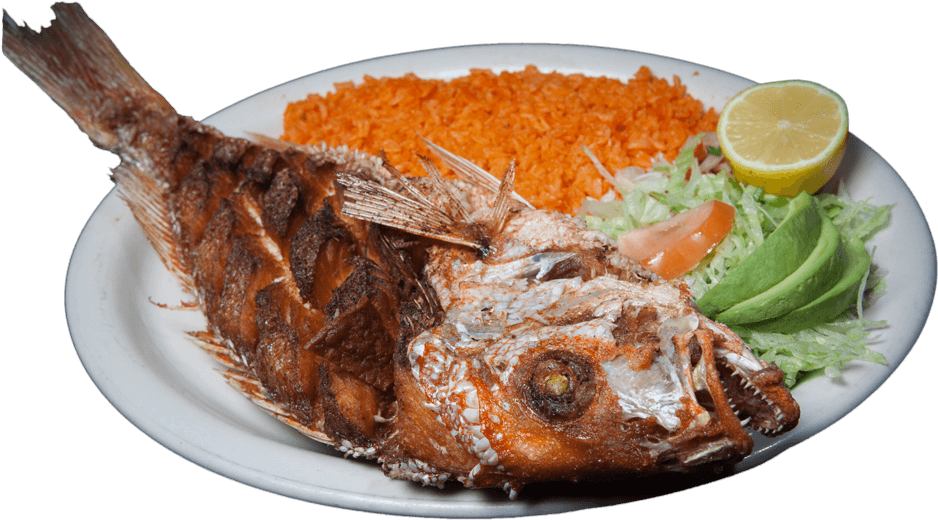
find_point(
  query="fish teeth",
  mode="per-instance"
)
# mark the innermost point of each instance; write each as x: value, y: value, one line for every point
x: 780, y: 416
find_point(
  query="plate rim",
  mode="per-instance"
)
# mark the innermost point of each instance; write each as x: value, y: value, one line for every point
x: 356, y: 504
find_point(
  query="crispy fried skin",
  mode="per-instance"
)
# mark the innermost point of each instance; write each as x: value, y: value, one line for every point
x: 279, y: 275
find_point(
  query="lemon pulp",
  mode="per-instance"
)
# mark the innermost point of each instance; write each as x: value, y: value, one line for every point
x: 786, y: 136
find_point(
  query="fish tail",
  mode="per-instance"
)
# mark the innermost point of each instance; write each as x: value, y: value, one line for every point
x: 81, y: 69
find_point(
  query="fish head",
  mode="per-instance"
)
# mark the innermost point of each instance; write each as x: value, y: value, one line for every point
x: 551, y: 364
x: 550, y: 355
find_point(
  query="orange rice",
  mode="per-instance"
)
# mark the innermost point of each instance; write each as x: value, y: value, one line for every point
x: 541, y: 120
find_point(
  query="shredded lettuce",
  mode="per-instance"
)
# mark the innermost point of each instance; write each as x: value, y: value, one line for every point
x: 826, y: 348
x: 663, y: 192
x: 666, y: 189
x: 856, y: 220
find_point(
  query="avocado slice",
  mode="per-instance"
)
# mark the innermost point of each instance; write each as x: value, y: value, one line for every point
x: 777, y: 257
x: 819, y: 272
x: 830, y: 305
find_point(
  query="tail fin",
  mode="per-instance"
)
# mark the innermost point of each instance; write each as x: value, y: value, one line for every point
x: 81, y: 69
x: 75, y: 62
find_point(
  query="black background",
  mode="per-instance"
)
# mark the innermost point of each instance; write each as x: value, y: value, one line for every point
x: 204, y: 60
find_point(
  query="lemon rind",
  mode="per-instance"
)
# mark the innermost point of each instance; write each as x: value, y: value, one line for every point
x: 830, y: 151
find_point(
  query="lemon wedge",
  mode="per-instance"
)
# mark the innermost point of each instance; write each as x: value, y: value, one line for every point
x: 786, y: 136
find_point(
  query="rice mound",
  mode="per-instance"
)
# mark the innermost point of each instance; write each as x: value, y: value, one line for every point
x: 541, y: 120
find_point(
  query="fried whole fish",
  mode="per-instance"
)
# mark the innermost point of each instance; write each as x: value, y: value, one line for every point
x: 444, y: 328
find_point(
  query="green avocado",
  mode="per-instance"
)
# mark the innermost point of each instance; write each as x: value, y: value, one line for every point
x: 830, y: 305
x: 819, y: 272
x: 777, y: 257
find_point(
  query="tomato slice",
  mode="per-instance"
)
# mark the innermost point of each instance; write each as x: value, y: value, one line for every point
x: 672, y: 247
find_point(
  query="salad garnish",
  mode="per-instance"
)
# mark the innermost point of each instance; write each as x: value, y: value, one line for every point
x: 644, y: 197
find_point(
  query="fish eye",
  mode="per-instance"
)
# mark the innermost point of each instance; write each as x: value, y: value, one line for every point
x: 559, y: 385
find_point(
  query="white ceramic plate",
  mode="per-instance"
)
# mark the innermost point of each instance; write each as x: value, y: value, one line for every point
x: 138, y: 356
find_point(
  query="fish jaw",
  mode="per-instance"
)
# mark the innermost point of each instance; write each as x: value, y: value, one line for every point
x: 754, y: 387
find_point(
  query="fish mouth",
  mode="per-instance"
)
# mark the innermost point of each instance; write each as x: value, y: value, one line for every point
x: 757, y: 397
x: 737, y: 390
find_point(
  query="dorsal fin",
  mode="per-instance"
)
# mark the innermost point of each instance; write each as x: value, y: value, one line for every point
x: 469, y: 172
x: 434, y: 211
x: 369, y: 200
